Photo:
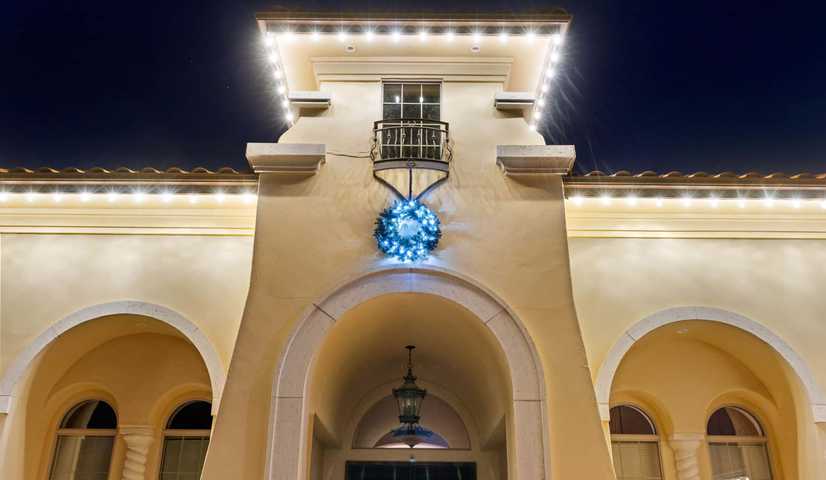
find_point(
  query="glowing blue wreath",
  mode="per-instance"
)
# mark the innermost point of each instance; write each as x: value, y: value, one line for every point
x: 407, y: 230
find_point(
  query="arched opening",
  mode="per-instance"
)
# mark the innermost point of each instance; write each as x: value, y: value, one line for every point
x: 138, y: 365
x: 185, y: 441
x: 456, y: 356
x: 85, y: 437
x: 472, y: 354
x: 737, y: 445
x: 688, y: 372
x: 634, y: 444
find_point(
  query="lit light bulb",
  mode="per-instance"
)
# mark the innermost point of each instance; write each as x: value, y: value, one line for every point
x: 550, y: 73
x: 220, y: 196
x: 423, y: 35
x: 248, y: 197
x: 397, y: 35
x: 368, y: 35
x: 342, y: 35
x: 578, y: 200
x: 112, y: 196
x: 768, y: 202
x: 554, y: 57
x: 289, y: 116
x: 541, y: 101
x: 531, y: 35
x: 450, y: 36
x: 4, y: 196
x: 544, y: 87
x: 57, y: 197
x: 166, y: 196
x: 714, y: 202
x: 658, y: 202
x: 503, y: 36
x: 686, y: 202
x: 823, y: 204
x: 605, y: 200
x: 268, y: 40
x: 193, y: 198
x: 273, y: 57
x: 138, y: 197
x: 741, y: 203
x: 281, y: 89
x: 85, y: 196
x: 315, y: 35
x: 556, y: 38
x: 537, y: 114
x: 532, y: 126
x: 477, y: 36
x: 30, y: 197
x: 277, y: 73
x: 285, y: 103
x: 289, y: 36
x: 631, y: 200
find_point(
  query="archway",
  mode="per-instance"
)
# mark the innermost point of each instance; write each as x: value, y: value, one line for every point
x: 17, y: 369
x: 608, y: 369
x: 289, y: 440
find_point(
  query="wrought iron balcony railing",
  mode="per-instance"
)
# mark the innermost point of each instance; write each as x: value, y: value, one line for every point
x: 411, y: 143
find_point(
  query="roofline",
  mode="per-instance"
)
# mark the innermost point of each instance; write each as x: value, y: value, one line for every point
x: 549, y: 15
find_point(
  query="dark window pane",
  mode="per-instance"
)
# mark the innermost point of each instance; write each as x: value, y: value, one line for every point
x: 192, y: 416
x: 733, y: 421
x: 430, y: 93
x: 392, y: 93
x: 392, y: 111
x: 412, y: 92
x: 90, y: 414
x: 627, y: 420
x: 412, y: 111
x: 430, y: 112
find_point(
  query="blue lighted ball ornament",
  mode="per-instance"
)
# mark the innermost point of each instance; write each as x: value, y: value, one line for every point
x: 407, y: 230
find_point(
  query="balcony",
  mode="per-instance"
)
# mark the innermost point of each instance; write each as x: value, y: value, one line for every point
x: 411, y: 143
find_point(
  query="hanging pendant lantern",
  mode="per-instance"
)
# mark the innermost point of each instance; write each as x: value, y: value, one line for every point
x: 409, y: 396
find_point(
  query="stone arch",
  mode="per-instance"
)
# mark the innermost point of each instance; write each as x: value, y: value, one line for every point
x: 23, y: 360
x: 288, y: 429
x: 605, y: 377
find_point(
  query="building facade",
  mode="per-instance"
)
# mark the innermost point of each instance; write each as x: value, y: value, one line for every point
x: 195, y: 324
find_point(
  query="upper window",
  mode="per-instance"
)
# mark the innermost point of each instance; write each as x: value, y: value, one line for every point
x: 634, y: 444
x: 737, y: 445
x: 185, y: 442
x: 84, y: 442
x: 412, y: 101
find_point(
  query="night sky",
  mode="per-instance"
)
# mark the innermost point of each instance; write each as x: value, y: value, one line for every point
x: 660, y: 85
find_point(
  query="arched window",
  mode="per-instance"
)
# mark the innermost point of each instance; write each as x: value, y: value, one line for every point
x: 185, y: 441
x: 737, y: 446
x: 84, y: 442
x: 634, y: 444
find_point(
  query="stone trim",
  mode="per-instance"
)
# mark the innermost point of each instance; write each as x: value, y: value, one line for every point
x: 286, y: 157
x: 605, y: 377
x: 18, y: 367
x: 288, y: 427
x: 535, y: 159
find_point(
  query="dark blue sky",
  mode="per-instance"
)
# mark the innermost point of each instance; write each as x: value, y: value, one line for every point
x: 662, y: 85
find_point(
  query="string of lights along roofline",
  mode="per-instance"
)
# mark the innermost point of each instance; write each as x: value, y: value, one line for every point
x: 135, y: 196
x: 398, y: 34
x: 688, y: 201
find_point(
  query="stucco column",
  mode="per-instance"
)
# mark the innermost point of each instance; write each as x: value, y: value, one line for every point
x: 138, y: 439
x: 686, y: 447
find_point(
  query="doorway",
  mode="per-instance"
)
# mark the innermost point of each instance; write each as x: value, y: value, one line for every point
x: 411, y: 471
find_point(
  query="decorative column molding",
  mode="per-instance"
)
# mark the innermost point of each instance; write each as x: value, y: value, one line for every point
x: 686, y: 447
x: 138, y: 439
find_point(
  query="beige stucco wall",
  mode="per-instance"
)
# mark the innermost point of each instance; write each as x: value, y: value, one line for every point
x: 485, y: 215
x: 620, y: 281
